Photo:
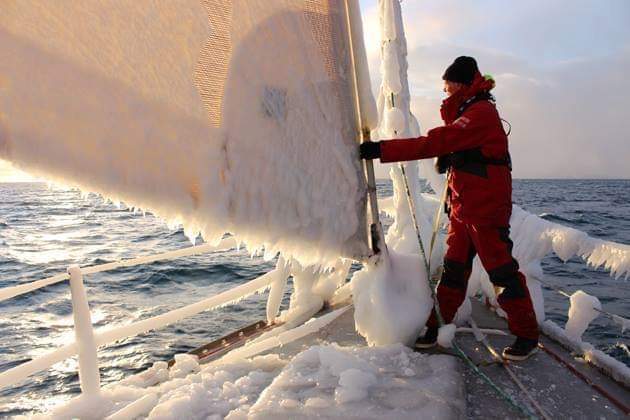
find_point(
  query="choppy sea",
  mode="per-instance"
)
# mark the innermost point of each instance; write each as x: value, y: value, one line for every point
x: 43, y: 230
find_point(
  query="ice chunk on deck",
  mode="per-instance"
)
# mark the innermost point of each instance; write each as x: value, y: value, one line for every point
x: 392, y: 300
x: 389, y: 382
x: 446, y: 334
x: 223, y: 115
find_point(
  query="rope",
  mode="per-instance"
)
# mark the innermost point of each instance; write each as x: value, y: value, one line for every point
x: 436, y: 220
x: 504, y: 363
x: 427, y: 263
x: 511, y: 401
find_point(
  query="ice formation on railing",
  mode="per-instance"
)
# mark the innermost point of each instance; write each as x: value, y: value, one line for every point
x: 534, y: 238
x: 615, y: 368
x: 224, y: 244
x: 624, y: 323
x: 583, y: 310
x: 284, y: 337
x: 107, y: 336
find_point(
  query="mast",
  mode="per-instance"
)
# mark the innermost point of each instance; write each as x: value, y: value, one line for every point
x: 366, y: 114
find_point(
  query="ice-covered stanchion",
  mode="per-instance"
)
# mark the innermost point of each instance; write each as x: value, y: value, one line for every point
x: 84, y: 333
x: 277, y: 289
x: 584, y: 309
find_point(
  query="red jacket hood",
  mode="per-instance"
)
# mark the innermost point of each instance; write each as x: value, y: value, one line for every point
x: 451, y: 105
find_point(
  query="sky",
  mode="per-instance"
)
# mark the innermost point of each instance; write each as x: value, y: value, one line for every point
x: 562, y: 70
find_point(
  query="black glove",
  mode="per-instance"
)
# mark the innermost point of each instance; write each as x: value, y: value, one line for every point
x: 443, y: 163
x: 370, y: 150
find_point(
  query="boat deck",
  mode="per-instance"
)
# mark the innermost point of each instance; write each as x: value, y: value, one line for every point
x: 561, y: 392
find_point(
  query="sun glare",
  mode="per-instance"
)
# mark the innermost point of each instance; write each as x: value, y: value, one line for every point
x: 8, y: 173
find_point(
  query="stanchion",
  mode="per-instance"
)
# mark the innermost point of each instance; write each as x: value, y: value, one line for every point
x: 84, y: 333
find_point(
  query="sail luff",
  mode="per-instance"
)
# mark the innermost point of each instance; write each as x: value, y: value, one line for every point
x: 364, y: 110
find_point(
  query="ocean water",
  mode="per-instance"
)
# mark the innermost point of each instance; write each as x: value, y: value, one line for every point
x: 43, y: 230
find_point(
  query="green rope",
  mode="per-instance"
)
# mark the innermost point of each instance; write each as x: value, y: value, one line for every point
x: 457, y: 349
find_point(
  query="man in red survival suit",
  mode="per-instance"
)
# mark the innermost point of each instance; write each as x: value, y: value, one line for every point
x: 472, y: 147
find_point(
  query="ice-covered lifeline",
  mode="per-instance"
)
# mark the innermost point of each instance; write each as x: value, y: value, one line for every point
x: 473, y: 147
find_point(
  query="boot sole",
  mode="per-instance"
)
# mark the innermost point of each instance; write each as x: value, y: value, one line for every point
x: 516, y: 358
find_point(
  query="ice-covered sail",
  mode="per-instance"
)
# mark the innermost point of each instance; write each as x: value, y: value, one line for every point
x: 225, y: 115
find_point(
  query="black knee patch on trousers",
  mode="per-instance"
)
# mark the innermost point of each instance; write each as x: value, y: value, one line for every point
x: 504, y: 236
x: 506, y: 276
x: 455, y: 274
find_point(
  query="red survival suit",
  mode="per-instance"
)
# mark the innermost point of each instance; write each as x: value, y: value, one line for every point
x: 480, y: 198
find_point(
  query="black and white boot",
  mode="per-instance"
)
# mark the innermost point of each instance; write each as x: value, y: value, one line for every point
x: 521, y: 349
x: 428, y: 340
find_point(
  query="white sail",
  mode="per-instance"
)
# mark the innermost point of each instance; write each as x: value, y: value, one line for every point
x: 225, y: 115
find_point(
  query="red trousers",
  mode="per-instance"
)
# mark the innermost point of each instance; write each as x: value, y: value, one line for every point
x: 494, y: 247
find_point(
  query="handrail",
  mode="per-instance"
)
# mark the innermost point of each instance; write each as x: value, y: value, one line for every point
x: 13, y: 291
x: 22, y: 371
x: 232, y: 295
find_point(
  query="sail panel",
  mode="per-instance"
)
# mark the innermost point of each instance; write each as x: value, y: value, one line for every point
x: 224, y: 115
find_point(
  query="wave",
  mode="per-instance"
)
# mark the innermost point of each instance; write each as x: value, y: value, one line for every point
x: 556, y: 218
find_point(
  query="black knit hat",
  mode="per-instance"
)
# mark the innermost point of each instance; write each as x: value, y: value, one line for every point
x: 463, y: 70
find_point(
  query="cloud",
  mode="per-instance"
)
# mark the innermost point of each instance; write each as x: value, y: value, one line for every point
x: 567, y: 104
x: 568, y: 120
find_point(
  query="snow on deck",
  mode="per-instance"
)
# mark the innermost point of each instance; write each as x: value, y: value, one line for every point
x: 329, y: 374
x: 328, y: 381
